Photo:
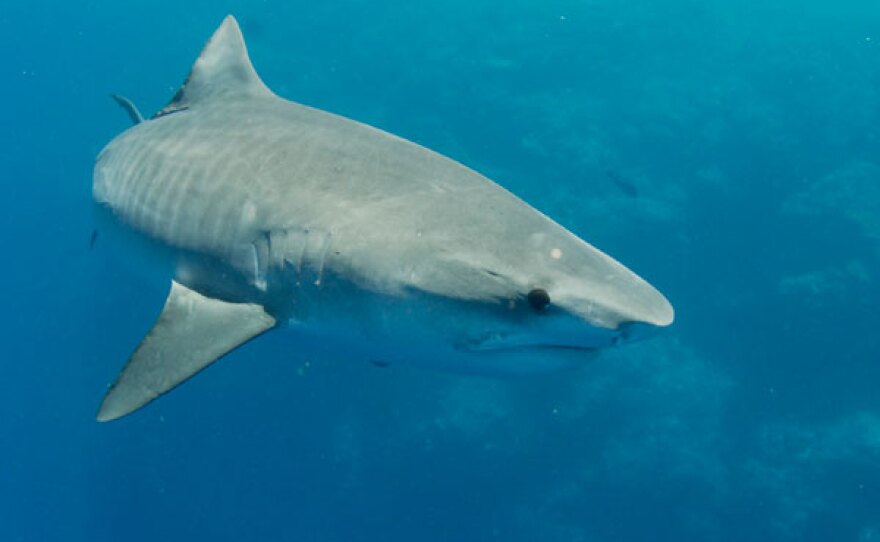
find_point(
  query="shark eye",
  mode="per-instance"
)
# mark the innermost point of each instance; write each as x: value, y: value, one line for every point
x: 539, y: 299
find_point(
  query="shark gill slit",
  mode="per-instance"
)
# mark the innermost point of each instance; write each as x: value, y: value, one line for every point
x: 325, y: 248
x: 292, y: 240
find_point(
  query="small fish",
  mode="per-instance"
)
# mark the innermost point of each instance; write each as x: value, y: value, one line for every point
x: 624, y: 185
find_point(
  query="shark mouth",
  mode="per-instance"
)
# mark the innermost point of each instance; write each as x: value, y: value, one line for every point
x: 501, y: 342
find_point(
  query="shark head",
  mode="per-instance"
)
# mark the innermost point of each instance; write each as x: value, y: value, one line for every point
x: 531, y: 295
x: 561, y: 295
x: 489, y: 284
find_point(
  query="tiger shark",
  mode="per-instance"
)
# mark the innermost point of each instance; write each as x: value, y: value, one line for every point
x: 267, y: 214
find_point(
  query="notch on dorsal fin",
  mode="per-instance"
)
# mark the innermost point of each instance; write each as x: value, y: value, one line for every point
x: 222, y: 69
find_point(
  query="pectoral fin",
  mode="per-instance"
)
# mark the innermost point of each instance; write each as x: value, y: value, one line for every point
x: 192, y: 331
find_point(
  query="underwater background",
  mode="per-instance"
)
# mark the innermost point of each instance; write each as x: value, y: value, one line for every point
x: 728, y: 152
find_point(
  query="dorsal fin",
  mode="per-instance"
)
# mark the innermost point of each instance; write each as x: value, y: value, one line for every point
x: 222, y: 69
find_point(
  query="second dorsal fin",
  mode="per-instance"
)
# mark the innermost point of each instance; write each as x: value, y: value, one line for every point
x: 223, y: 69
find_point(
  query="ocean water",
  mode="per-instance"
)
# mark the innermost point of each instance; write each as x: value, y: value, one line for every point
x: 729, y: 152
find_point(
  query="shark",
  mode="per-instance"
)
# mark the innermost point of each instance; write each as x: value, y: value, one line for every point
x: 264, y: 213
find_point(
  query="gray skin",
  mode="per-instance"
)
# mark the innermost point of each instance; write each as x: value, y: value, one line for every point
x: 346, y: 233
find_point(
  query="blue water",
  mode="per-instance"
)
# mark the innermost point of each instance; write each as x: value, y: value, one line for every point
x: 729, y: 152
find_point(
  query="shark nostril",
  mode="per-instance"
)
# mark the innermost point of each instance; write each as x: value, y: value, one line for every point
x: 539, y: 299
